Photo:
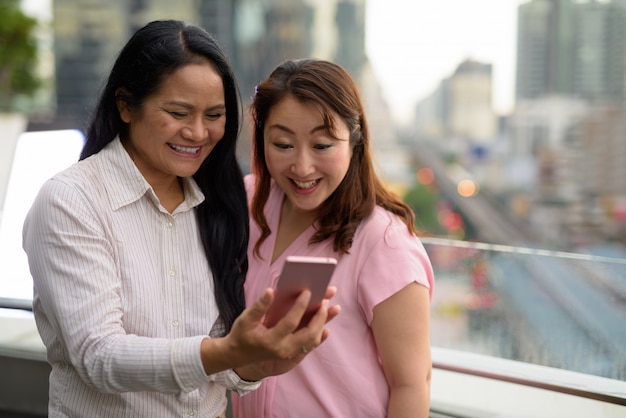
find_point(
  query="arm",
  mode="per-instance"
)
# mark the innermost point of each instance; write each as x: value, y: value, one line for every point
x: 73, y: 261
x: 78, y: 288
x: 401, y: 332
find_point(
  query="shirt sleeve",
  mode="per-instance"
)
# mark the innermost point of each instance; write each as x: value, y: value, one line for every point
x: 78, y: 306
x: 231, y: 380
x: 396, y: 259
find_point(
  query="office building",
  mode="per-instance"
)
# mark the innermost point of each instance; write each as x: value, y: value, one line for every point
x: 88, y: 34
x: 571, y: 48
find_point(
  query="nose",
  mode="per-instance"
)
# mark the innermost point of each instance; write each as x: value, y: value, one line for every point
x: 303, y: 164
x: 195, y: 131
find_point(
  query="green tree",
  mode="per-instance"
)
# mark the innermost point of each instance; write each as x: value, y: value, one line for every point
x: 423, y: 201
x: 18, y: 55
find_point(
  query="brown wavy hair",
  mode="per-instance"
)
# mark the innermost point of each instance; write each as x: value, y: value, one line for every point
x: 331, y: 89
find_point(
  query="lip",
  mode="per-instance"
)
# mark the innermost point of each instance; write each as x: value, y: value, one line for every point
x: 305, y: 190
x: 185, y: 151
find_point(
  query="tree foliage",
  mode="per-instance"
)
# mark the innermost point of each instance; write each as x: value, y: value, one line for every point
x: 18, y: 54
x: 423, y: 202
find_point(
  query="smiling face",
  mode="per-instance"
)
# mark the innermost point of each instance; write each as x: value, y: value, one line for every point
x: 176, y: 127
x: 303, y: 159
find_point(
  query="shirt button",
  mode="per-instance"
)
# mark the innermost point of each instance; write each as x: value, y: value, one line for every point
x: 172, y: 273
x: 175, y: 323
x: 169, y: 224
x: 192, y: 413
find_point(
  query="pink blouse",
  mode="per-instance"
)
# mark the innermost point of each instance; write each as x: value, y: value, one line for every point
x: 343, y: 376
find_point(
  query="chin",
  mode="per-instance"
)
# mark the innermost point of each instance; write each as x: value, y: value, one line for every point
x: 188, y: 171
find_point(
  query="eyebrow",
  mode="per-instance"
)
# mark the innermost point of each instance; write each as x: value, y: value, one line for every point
x: 285, y: 129
x: 188, y: 106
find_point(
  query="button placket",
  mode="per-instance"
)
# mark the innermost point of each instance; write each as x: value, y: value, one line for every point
x: 171, y: 261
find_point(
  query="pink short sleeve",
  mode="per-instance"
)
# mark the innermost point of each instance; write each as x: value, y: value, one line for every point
x: 397, y: 259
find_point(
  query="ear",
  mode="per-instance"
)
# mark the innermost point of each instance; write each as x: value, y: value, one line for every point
x: 122, y: 105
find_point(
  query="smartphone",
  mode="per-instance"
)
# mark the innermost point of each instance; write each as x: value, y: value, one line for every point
x: 299, y: 273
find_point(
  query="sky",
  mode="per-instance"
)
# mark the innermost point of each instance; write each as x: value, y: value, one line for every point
x: 414, y: 44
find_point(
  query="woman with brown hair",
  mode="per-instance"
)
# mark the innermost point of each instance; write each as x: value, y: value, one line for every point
x: 314, y: 192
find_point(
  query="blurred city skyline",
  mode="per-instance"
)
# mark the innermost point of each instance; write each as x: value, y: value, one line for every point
x: 412, y: 51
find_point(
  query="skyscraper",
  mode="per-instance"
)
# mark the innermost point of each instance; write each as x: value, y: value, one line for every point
x: 89, y: 33
x: 600, y: 51
x: 544, y: 48
x: 572, y: 48
x: 270, y: 31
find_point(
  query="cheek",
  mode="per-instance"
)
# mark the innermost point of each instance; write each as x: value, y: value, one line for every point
x: 341, y: 161
x: 275, y: 162
x: 158, y: 126
x: 217, y: 130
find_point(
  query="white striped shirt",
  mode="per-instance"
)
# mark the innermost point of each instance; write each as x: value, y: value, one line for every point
x: 123, y: 295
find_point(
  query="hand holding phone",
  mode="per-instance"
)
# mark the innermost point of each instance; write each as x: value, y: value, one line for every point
x: 300, y: 273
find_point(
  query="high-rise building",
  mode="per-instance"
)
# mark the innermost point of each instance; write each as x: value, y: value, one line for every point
x: 600, y: 51
x: 89, y: 33
x: 471, y: 112
x: 269, y: 31
x: 572, y: 48
x: 544, y: 48
x: 350, y: 22
x: 461, y: 107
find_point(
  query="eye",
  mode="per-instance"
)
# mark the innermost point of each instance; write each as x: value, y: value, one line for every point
x: 178, y: 115
x: 322, y: 146
x: 213, y: 116
x: 282, y: 145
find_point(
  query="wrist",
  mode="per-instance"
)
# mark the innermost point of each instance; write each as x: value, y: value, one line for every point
x: 215, y: 355
x: 249, y: 373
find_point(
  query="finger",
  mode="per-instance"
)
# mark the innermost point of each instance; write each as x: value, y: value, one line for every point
x: 325, y: 334
x: 333, y: 311
x: 318, y: 320
x: 261, y: 305
x: 291, y: 320
x: 330, y: 292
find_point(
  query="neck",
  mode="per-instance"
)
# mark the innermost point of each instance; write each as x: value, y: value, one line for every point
x: 292, y: 224
x: 296, y: 218
x: 170, y: 194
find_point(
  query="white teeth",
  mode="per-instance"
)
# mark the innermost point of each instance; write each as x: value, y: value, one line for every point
x: 186, y: 150
x: 305, y: 184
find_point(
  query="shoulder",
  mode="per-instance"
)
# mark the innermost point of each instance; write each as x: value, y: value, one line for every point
x: 380, y: 224
x: 76, y: 176
x: 385, y: 234
x: 84, y: 175
x: 389, y: 249
x: 66, y: 200
x: 78, y: 186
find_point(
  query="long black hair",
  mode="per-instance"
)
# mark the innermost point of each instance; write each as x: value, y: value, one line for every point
x: 152, y: 54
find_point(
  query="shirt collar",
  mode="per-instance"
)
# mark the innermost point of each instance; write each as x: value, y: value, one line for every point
x: 128, y: 184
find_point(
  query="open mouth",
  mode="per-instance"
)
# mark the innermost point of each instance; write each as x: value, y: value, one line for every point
x: 185, y: 150
x: 305, y: 184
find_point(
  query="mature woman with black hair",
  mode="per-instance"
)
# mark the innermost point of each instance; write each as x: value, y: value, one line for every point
x: 138, y: 251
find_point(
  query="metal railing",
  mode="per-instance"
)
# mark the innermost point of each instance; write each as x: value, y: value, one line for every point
x: 516, y: 332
